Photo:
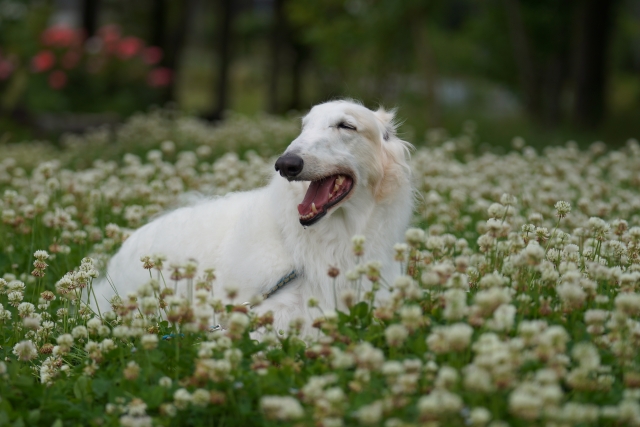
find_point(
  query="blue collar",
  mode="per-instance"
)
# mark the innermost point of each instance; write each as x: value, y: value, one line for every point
x: 283, y: 281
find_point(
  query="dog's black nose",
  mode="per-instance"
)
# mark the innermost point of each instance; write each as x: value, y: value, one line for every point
x: 289, y: 165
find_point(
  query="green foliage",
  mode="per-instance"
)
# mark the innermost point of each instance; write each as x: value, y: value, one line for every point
x: 509, y: 307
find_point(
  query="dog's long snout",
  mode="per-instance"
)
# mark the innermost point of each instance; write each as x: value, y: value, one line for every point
x: 289, y: 165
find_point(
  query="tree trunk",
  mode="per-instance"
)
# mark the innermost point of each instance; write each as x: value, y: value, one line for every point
x: 427, y: 63
x: 557, y: 70
x: 555, y: 79
x: 175, y: 45
x: 275, y: 55
x: 90, y: 17
x: 300, y: 53
x: 159, y: 23
x: 594, y: 25
x: 224, y: 40
x: 170, y: 37
x: 527, y: 71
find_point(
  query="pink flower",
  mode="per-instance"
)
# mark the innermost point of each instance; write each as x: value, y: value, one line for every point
x: 61, y: 37
x: 70, y: 59
x: 43, y: 61
x: 151, y: 55
x: 57, y: 79
x: 6, y: 69
x: 110, y: 35
x: 129, y: 47
x: 159, y: 77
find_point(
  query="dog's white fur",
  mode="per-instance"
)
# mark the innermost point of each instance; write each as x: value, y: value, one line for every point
x: 254, y: 238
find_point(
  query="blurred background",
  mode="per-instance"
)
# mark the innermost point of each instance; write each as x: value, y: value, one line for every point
x: 545, y: 70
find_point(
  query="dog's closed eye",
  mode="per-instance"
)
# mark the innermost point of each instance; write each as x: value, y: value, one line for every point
x: 344, y: 125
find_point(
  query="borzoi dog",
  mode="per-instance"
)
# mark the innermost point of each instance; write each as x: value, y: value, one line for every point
x: 346, y: 174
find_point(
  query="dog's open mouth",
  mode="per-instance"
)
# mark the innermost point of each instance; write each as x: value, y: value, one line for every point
x: 322, y: 195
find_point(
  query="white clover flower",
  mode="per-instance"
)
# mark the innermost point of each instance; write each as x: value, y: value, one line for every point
x: 48, y: 325
x: 411, y: 316
x: 477, y: 379
x: 5, y: 315
x: 401, y: 250
x: 341, y: 360
x: 571, y: 294
x: 434, y: 243
x: 149, y: 341
x: 165, y: 382
x: 587, y: 355
x: 414, y: 236
x: 458, y: 281
x: 26, y: 309
x: 455, y: 304
x: 200, y: 397
x: 281, y: 408
x: 554, y: 255
x: 93, y: 324
x: 496, y: 210
x: 181, y: 398
x: 238, y: 322
x: 233, y: 355
x: 508, y: 199
x: 486, y: 242
x: 479, y: 416
x: 447, y: 378
x: 439, y: 403
x: 14, y: 298
x: 332, y: 422
x: 396, y: 335
x: 121, y: 331
x: 149, y: 305
x: 41, y: 255
x: 533, y: 253
x: 492, y: 280
x: 32, y: 323
x: 358, y: 245
x: 335, y: 395
x: 458, y: 336
x: 65, y: 340
x: 25, y: 350
x: 628, y: 303
x: 402, y: 282
x: 562, y: 208
x: 368, y: 356
x: 370, y: 414
x: 79, y: 332
x: 218, y: 370
x: 503, y: 318
x: 525, y: 401
x: 92, y: 346
x: 107, y: 345
x: 599, y: 228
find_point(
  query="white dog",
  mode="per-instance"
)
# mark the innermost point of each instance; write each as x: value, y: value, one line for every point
x: 345, y: 175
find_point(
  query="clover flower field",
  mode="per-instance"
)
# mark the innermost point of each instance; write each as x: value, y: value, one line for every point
x: 517, y: 301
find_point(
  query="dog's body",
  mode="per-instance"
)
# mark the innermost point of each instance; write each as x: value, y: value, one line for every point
x: 361, y: 186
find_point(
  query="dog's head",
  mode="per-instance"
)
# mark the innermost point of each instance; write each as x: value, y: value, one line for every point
x: 344, y: 149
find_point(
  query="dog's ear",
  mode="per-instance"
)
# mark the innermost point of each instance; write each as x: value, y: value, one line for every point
x: 395, y: 156
x: 388, y: 121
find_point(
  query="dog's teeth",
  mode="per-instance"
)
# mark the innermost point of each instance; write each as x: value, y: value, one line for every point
x: 340, y: 180
x: 336, y: 187
x: 313, y: 208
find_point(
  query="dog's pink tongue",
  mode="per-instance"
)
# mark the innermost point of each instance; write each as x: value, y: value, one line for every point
x: 317, y: 193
